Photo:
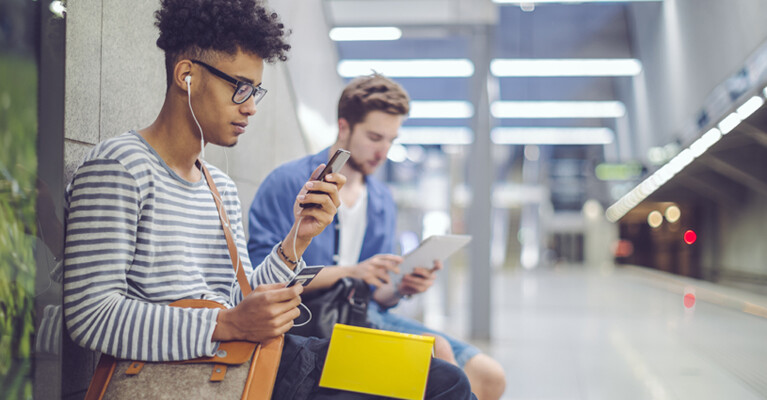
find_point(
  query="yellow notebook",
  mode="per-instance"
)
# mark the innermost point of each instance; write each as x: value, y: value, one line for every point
x: 377, y: 362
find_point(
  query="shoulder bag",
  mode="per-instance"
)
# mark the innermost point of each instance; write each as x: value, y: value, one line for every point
x: 240, y: 369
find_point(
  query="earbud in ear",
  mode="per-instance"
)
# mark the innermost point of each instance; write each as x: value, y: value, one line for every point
x: 188, y: 79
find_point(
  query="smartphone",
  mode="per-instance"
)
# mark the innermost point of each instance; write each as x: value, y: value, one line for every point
x: 334, y: 165
x: 305, y: 276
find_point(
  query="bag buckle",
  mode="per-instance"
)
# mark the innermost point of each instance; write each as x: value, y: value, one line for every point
x: 351, y: 298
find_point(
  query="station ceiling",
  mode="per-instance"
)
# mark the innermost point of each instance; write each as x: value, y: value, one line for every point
x: 443, y: 29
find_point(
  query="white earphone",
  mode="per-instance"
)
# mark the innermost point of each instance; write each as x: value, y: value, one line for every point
x: 188, y: 81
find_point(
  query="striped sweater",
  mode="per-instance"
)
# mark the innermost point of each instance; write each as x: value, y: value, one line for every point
x: 140, y: 237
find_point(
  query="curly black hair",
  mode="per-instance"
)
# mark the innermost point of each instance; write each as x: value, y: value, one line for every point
x: 191, y: 28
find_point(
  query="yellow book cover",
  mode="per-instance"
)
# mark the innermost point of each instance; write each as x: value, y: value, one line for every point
x: 377, y: 362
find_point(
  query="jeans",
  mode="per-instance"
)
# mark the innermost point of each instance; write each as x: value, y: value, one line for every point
x: 382, y: 319
x: 301, y: 368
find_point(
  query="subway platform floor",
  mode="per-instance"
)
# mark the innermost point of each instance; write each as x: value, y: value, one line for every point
x: 616, y: 333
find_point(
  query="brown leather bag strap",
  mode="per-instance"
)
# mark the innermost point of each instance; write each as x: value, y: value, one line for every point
x: 264, y: 372
x: 224, y: 218
x: 270, y: 351
x: 101, y: 378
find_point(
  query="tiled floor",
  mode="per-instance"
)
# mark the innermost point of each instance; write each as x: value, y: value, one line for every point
x: 624, y: 333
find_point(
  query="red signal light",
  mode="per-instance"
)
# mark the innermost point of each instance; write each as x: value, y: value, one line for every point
x: 690, y: 237
x: 689, y: 300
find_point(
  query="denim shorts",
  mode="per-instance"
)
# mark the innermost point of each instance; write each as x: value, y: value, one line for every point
x: 382, y: 319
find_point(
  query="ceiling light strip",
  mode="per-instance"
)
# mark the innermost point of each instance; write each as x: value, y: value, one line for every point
x: 381, y: 33
x: 434, y: 135
x: 662, y: 175
x: 552, y: 136
x: 732, y: 120
x: 565, y: 67
x: 440, y: 109
x: 557, y: 109
x: 749, y: 107
x: 410, y: 68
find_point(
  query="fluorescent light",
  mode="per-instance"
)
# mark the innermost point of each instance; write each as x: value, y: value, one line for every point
x: 441, y: 109
x: 552, y: 136
x: 557, y: 109
x: 570, y: 1
x: 734, y: 119
x: 729, y: 123
x: 664, y: 174
x: 419, y: 68
x: 365, y: 33
x: 683, y: 159
x: 565, y: 67
x: 749, y: 107
x: 435, y: 135
x: 704, y: 142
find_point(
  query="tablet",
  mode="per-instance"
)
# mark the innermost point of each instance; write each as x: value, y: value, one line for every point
x: 437, y: 247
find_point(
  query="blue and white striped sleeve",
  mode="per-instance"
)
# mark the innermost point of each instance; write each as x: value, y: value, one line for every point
x: 271, y: 270
x: 104, y: 207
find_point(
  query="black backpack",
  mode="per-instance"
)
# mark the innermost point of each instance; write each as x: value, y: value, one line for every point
x: 346, y: 302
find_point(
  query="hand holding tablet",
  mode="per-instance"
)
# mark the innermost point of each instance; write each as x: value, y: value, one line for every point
x: 437, y: 247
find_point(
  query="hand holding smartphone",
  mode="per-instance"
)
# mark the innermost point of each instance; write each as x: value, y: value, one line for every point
x: 334, y: 165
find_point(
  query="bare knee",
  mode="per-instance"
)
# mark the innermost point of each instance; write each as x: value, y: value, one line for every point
x: 442, y: 349
x: 488, y: 380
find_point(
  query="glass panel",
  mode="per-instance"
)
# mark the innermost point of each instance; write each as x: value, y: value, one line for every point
x: 31, y: 233
x: 18, y: 173
x: 49, y: 250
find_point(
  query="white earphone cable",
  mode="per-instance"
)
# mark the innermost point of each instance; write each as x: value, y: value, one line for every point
x: 295, y: 254
x: 308, y: 320
x: 189, y: 99
x: 220, y: 203
x: 221, y: 209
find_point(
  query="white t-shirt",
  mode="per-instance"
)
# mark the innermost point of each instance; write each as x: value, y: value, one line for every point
x: 353, y: 222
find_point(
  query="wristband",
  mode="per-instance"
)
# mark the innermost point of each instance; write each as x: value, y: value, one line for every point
x: 285, y: 256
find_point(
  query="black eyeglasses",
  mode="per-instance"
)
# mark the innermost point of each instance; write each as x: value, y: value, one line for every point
x: 243, y: 90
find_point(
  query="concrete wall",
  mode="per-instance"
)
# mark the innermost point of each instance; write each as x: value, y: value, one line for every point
x: 741, y: 236
x: 312, y: 70
x: 687, y: 47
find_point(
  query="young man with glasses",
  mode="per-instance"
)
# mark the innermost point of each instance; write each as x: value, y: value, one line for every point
x: 143, y: 228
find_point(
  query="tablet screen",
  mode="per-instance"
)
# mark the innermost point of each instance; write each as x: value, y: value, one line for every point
x: 437, y: 247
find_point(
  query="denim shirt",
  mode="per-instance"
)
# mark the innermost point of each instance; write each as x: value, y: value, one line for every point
x: 271, y: 214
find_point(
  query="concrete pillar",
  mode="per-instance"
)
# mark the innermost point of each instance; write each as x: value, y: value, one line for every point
x: 480, y: 182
